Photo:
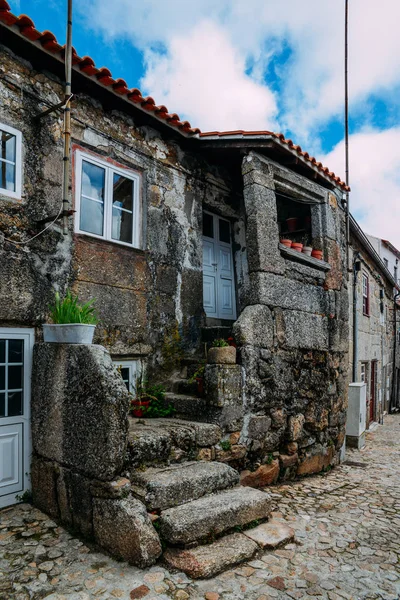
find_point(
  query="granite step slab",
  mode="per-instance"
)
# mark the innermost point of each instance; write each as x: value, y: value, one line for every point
x: 189, y: 406
x: 153, y: 440
x: 214, y: 514
x: 206, y: 561
x: 162, y: 488
x: 271, y: 535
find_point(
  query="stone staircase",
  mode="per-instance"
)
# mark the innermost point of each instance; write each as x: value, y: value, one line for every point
x: 205, y: 519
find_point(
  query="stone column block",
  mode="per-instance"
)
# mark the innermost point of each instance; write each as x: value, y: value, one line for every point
x: 223, y: 385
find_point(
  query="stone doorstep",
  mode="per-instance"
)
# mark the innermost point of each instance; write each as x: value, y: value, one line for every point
x: 162, y: 488
x: 213, y: 515
x: 270, y: 535
x: 206, y: 561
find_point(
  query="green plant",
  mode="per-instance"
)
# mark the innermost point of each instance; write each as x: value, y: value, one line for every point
x: 220, y: 343
x: 269, y: 459
x: 225, y: 445
x: 69, y: 311
x: 198, y: 373
x: 25, y: 497
x: 155, y: 395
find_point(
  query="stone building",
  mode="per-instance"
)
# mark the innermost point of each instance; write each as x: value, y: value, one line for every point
x: 373, y: 340
x: 177, y: 235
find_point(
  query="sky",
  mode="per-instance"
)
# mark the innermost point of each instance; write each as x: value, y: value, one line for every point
x: 262, y: 64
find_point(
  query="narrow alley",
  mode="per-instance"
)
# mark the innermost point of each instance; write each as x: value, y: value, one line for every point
x: 347, y: 545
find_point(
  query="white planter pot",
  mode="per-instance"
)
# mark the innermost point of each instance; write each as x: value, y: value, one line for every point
x: 307, y: 250
x: 70, y: 333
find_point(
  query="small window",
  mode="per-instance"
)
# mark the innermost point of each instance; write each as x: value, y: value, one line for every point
x: 10, y: 161
x: 130, y: 370
x: 365, y: 294
x: 363, y: 372
x: 395, y: 274
x: 107, y: 201
x: 385, y: 260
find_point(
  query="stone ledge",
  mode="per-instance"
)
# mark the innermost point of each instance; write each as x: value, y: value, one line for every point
x: 321, y: 265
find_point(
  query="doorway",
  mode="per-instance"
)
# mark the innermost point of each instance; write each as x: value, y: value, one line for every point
x: 218, y: 274
x: 372, y: 400
x: 16, y: 346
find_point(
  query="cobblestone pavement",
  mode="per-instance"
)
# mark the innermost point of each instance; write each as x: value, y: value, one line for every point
x: 347, y: 545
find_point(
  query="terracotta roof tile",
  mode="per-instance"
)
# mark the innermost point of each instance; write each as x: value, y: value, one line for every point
x: 103, y: 76
x: 284, y: 141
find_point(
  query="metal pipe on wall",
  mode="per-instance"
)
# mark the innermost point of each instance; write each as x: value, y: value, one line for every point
x: 67, y: 119
x: 393, y: 402
x: 346, y: 127
x: 355, y: 318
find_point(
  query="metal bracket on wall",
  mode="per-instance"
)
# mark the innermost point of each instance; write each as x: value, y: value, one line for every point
x: 61, y: 105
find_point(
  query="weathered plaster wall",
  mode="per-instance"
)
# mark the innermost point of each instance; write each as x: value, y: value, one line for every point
x: 149, y: 299
x: 293, y: 331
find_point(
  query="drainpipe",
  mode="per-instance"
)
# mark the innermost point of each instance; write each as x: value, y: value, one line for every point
x: 346, y: 133
x: 356, y: 268
x: 67, y: 119
x: 392, y: 405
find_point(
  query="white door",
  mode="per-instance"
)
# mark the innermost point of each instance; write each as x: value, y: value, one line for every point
x: 218, y: 275
x: 15, y: 380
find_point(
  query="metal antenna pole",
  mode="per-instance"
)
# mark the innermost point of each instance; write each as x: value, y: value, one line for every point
x: 67, y: 118
x: 346, y: 126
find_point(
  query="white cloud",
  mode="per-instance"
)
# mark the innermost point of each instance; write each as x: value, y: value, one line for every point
x: 202, y: 77
x: 374, y: 180
x: 197, y: 53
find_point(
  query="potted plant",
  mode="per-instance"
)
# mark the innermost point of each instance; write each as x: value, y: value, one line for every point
x: 317, y: 254
x: 306, y: 248
x: 73, y: 323
x: 291, y: 223
x: 198, y: 377
x: 149, y: 401
x: 221, y: 353
x: 286, y: 242
x: 297, y: 246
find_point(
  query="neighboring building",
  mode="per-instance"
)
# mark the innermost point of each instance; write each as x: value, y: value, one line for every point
x: 373, y: 344
x: 177, y: 236
x: 388, y: 254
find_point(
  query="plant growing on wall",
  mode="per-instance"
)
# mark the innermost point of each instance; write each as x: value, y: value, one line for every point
x: 68, y: 310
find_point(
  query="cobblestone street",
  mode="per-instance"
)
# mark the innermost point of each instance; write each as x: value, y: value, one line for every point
x: 347, y: 545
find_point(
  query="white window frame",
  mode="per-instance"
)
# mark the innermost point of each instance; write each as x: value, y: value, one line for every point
x: 18, y: 163
x: 366, y: 294
x: 28, y: 335
x: 134, y: 366
x: 110, y: 169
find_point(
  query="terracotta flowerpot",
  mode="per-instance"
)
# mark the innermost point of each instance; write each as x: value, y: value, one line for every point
x: 140, y: 407
x: 317, y: 254
x: 297, y: 246
x: 222, y: 356
x: 307, y: 250
x: 292, y: 223
x: 286, y: 243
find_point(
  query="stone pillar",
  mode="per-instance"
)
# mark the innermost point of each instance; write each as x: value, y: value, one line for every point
x: 262, y: 233
x: 223, y: 385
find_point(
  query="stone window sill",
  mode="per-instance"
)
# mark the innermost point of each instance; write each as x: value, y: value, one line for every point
x: 302, y: 258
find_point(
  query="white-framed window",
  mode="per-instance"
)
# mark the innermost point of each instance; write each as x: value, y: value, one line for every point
x: 130, y: 371
x: 365, y: 294
x: 10, y: 161
x: 107, y: 201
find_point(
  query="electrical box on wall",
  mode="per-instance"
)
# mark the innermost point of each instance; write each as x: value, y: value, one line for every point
x: 356, y: 415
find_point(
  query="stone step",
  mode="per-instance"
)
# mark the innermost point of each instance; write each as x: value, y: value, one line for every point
x: 168, y: 440
x: 212, y: 515
x: 183, y: 386
x: 161, y: 488
x: 271, y: 535
x: 206, y: 561
x: 189, y: 406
